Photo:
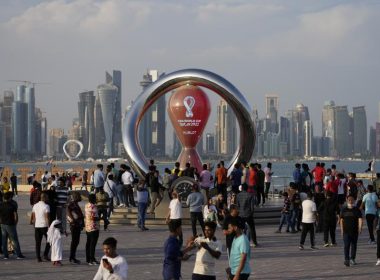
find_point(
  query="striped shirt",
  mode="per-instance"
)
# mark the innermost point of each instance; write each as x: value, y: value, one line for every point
x: 61, y: 195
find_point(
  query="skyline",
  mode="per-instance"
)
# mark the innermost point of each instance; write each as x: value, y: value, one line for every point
x: 303, y: 52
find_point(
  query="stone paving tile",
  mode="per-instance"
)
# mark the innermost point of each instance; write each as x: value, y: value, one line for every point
x: 278, y: 257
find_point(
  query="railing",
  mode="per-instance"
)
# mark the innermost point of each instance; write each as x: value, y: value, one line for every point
x: 278, y: 185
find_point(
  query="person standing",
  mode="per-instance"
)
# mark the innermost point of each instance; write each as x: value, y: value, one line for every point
x: 61, y: 197
x: 173, y: 254
x: 260, y: 185
x: 40, y: 219
x: 92, y: 229
x: 76, y: 221
x: 113, y: 266
x: 221, y: 180
x: 309, y: 213
x: 209, y: 249
x: 330, y: 212
x: 268, y: 178
x: 351, y: 224
x: 102, y: 200
x: 240, y: 252
x: 127, y: 179
x: 205, y: 182
x: 35, y: 193
x: 370, y: 205
x: 9, y: 220
x: 297, y: 176
x: 195, y: 202
x: 98, y: 177
x: 175, y: 213
x: 155, y: 198
x: 235, y: 177
x: 44, y: 180
x: 246, y: 206
x: 13, y: 180
x: 142, y: 202
x: 110, y: 189
x: 54, y: 237
x: 233, y: 214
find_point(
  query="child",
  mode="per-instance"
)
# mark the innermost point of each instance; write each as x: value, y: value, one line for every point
x: 285, y: 214
x: 54, y: 237
x: 210, y: 212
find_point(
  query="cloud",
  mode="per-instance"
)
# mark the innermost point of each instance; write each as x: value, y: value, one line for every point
x: 318, y: 34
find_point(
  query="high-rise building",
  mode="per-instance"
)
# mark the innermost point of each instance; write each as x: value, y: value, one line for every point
x: 226, y: 129
x: 377, y: 139
x: 152, y: 129
x: 107, y: 94
x: 210, y: 143
x: 20, y: 123
x: 271, y: 112
x: 7, y: 119
x: 115, y: 80
x: 359, y: 130
x: 308, y: 131
x: 86, y: 113
x: 328, y: 125
x: 342, y: 143
x: 372, y: 141
x: 31, y: 124
x: 297, y: 118
x: 99, y: 128
x: 2, y: 135
x: 55, y: 142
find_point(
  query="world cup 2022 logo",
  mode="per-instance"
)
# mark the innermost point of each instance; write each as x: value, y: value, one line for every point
x: 189, y: 110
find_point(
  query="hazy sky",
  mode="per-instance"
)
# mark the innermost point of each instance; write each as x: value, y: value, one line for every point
x: 304, y: 51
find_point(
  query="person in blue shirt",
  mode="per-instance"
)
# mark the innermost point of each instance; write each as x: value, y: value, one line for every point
x: 370, y: 205
x: 235, y: 178
x: 240, y: 251
x: 173, y: 253
x: 297, y: 175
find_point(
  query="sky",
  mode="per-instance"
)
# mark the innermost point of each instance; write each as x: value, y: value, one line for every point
x: 304, y: 51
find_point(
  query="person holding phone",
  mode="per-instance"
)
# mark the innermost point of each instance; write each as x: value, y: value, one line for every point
x: 112, y: 266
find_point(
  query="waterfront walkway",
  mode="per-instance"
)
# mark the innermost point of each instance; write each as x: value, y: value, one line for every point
x: 278, y: 257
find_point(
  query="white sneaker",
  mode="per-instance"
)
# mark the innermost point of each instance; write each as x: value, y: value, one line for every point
x: 378, y: 262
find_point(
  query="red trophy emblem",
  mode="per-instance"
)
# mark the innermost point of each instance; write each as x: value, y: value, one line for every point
x: 189, y: 110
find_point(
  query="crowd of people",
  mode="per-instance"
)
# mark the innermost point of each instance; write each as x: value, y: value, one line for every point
x: 315, y: 201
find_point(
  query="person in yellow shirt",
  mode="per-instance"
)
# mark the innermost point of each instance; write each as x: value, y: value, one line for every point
x: 5, y: 187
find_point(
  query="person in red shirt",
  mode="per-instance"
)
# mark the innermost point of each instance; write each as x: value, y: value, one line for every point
x: 221, y: 180
x: 252, y: 178
x: 318, y: 174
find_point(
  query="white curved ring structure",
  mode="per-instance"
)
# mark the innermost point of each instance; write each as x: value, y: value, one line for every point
x: 80, y: 149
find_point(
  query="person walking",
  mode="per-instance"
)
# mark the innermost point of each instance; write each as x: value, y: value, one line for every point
x: 155, y: 198
x: 92, y: 229
x: 260, y: 186
x: 13, y: 180
x: 113, y: 266
x: 102, y: 201
x: 309, y: 213
x: 110, y: 189
x: 240, y: 252
x: 175, y: 213
x: 61, y: 198
x: 205, y: 179
x: 54, y: 237
x: 369, y: 204
x: 99, y: 178
x: 40, y: 220
x: 195, y: 202
x: 351, y: 224
x: 330, y: 211
x: 246, y: 206
x: 76, y: 222
x: 268, y: 178
x: 127, y: 179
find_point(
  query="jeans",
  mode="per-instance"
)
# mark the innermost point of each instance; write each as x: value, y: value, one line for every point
x: 350, y: 241
x: 92, y: 239
x: 378, y: 244
x: 293, y: 218
x: 251, y: 223
x: 141, y: 214
x: 370, y: 221
x: 14, y: 189
x: 155, y: 199
x: 180, y: 236
x: 285, y: 218
x: 129, y: 199
x: 194, y: 217
x: 110, y: 207
x: 11, y: 232
x: 103, y: 215
x: 329, y: 226
x: 39, y: 233
x: 120, y: 194
x: 75, y: 238
x: 202, y: 277
x: 243, y: 276
x: 307, y: 227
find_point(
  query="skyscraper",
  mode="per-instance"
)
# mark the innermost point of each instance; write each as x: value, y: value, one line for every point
x: 115, y: 80
x: 372, y: 141
x: 271, y: 112
x: 99, y: 128
x: 31, y: 124
x: 152, y: 129
x: 210, y: 143
x: 7, y: 119
x: 55, y: 141
x: 86, y: 113
x: 359, y: 130
x: 308, y: 131
x: 342, y: 139
x: 20, y: 123
x: 328, y: 125
x: 297, y: 118
x: 377, y: 139
x: 107, y: 94
x: 226, y: 130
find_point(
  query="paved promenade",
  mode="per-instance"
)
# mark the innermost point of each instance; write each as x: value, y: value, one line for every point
x: 278, y: 257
